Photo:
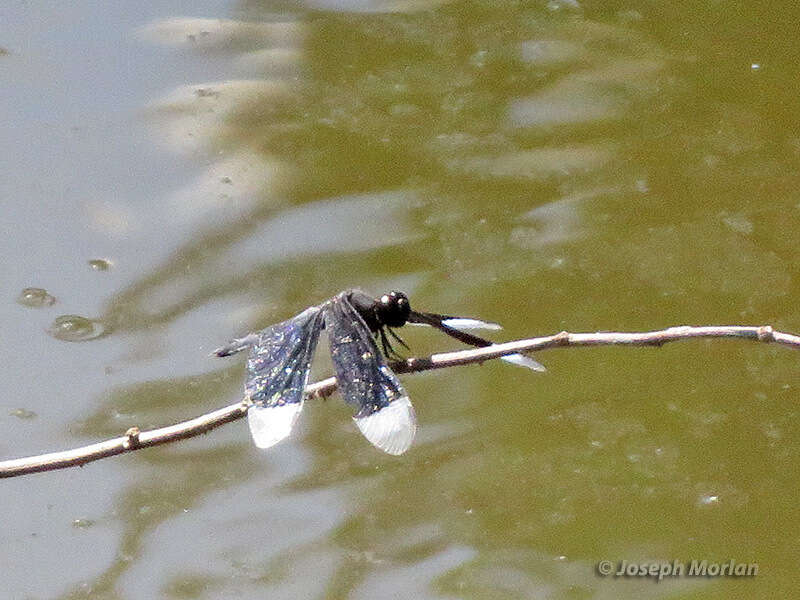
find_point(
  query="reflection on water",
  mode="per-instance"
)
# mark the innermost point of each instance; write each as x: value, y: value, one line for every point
x: 549, y: 165
x: 383, y: 102
x: 374, y: 6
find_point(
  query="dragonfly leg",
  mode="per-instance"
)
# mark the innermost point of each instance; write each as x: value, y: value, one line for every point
x: 388, y: 351
x: 398, y: 338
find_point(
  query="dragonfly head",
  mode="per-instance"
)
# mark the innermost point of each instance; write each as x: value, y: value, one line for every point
x: 392, y: 309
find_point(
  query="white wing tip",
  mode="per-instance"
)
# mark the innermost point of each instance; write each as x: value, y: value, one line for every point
x: 271, y: 424
x: 464, y: 324
x: 524, y: 361
x: 392, y: 428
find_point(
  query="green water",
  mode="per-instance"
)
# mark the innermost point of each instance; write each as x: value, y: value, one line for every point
x: 549, y: 165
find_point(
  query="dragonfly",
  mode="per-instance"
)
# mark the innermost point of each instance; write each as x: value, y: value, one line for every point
x: 280, y: 357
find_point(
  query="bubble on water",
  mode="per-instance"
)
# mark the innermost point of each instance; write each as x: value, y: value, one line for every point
x: 708, y: 499
x: 22, y: 413
x: 100, y: 264
x: 82, y: 523
x: 35, y: 298
x: 74, y: 328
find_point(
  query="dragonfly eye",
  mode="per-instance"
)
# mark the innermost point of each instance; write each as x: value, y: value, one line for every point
x: 392, y: 309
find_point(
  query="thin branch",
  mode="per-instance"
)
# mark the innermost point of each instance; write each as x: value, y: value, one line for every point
x: 135, y: 439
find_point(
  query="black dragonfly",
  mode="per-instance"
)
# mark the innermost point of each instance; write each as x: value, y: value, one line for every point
x: 280, y: 361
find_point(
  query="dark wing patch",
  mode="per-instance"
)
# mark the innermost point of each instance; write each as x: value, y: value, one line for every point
x: 279, y: 363
x: 383, y: 411
x: 277, y: 373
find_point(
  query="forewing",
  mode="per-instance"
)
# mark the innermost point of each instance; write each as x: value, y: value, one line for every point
x: 454, y: 327
x: 277, y: 373
x: 383, y: 411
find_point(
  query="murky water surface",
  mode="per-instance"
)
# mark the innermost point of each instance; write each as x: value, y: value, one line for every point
x: 175, y: 178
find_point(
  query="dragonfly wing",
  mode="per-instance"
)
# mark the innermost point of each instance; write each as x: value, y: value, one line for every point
x: 383, y: 411
x: 271, y: 424
x: 463, y: 324
x: 277, y: 373
x: 237, y: 345
x: 449, y: 325
x: 523, y: 360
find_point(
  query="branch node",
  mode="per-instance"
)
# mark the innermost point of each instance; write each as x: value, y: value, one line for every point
x: 416, y: 364
x: 766, y: 334
x: 561, y: 338
x: 133, y: 438
x: 318, y: 394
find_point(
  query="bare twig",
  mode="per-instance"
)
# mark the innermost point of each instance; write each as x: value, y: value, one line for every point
x: 135, y: 439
